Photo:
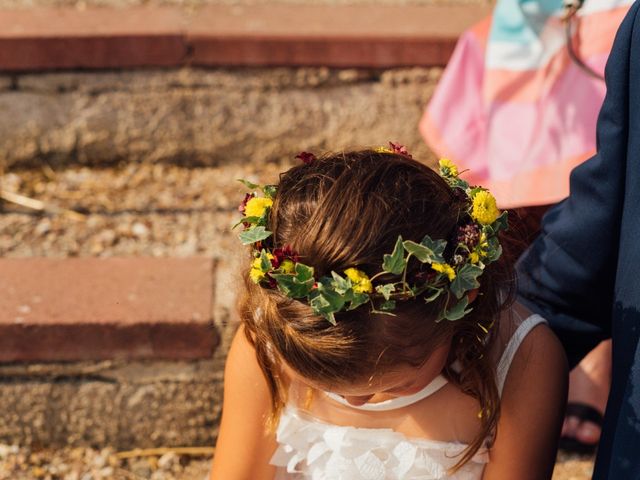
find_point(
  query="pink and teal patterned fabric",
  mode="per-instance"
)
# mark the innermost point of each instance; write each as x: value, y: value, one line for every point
x: 512, y: 107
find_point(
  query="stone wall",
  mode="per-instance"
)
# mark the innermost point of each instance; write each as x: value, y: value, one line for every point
x: 206, y: 117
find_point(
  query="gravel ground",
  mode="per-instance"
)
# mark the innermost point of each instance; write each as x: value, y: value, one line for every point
x: 155, y: 210
x: 87, y: 464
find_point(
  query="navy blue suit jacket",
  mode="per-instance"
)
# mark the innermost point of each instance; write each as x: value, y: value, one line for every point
x: 583, y: 271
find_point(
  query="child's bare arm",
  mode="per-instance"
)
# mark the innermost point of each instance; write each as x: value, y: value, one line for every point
x: 244, y: 447
x: 532, y: 410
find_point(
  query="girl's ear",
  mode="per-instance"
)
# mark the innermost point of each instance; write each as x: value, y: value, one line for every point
x: 472, y: 295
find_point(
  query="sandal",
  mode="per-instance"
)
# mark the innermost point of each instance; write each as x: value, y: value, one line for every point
x: 586, y: 413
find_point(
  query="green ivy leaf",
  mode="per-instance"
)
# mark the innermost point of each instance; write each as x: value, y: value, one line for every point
x: 248, y: 184
x: 288, y: 285
x: 269, y: 191
x: 422, y: 252
x: 501, y: 223
x: 325, y: 301
x: 457, y: 182
x: 340, y: 284
x: 458, y: 311
x: 388, y: 305
x: 330, y: 318
x: 386, y: 290
x: 357, y: 300
x: 395, y: 263
x: 254, y: 235
x: 304, y: 273
x: 294, y: 286
x: 466, y: 279
x: 436, y: 246
x: 494, y: 250
x: 265, y: 263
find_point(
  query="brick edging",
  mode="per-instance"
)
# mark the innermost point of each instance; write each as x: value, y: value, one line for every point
x: 217, y: 35
x: 93, y: 308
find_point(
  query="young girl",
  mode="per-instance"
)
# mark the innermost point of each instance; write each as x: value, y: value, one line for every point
x: 379, y: 339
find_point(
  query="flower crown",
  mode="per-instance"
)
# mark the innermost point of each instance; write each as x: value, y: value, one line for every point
x: 476, y: 245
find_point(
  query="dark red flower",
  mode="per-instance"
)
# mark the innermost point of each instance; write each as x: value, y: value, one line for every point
x: 400, y: 149
x: 306, y: 157
x: 243, y: 204
x: 282, y: 254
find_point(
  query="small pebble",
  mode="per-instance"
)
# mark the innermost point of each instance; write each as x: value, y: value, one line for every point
x: 140, y: 230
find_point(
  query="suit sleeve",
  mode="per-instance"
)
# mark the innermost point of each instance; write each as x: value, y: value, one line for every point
x: 568, y: 274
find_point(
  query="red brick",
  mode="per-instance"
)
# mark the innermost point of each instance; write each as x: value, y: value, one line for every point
x: 340, y: 36
x: 89, y: 309
x: 65, y: 38
x: 336, y: 52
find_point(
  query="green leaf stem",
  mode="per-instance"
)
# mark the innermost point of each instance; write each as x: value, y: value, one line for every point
x: 248, y: 184
x: 246, y: 220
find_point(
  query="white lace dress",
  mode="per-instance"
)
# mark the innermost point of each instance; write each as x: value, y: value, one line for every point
x: 312, y: 449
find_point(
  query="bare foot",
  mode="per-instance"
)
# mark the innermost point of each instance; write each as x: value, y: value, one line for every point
x: 589, y: 384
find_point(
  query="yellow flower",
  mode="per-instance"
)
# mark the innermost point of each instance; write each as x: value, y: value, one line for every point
x: 383, y: 150
x: 484, y: 208
x: 256, y: 274
x: 447, y: 168
x: 287, y: 266
x: 474, y: 257
x: 444, y: 268
x: 360, y: 280
x: 257, y: 206
x: 483, y: 246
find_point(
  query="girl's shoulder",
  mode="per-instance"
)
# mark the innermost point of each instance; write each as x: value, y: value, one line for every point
x: 244, y: 445
x: 528, y: 348
x: 532, y: 401
x: 519, y: 327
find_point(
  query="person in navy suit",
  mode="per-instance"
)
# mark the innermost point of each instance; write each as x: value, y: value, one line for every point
x: 583, y: 271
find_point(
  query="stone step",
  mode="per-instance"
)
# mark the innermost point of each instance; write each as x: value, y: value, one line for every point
x: 106, y: 308
x: 123, y: 404
x: 379, y: 36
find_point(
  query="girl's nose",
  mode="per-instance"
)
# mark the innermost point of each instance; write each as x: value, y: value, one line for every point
x: 356, y: 401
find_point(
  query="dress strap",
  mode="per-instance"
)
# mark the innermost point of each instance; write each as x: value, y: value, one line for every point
x: 394, y: 403
x: 512, y: 347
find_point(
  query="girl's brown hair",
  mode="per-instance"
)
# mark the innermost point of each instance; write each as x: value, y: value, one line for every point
x: 347, y: 210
